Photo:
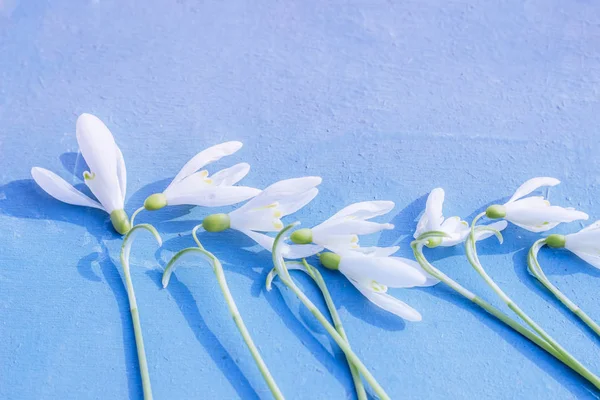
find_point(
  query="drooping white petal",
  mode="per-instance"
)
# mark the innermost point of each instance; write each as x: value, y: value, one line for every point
x: 432, y: 217
x: 389, y: 303
x: 121, y: 172
x: 585, y: 240
x: 350, y: 227
x: 99, y: 150
x: 378, y: 251
x: 293, y: 251
x: 211, y: 196
x: 453, y: 224
x: 389, y: 271
x: 594, y: 226
x: 282, y: 189
x: 230, y: 176
x: 336, y: 243
x: 429, y: 280
x: 97, y: 146
x: 264, y: 219
x: 290, y: 204
x: 58, y: 188
x: 532, y: 185
x: 205, y: 157
x: 363, y: 210
x: 542, y: 219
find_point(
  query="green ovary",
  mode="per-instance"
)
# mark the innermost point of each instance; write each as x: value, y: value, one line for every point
x: 302, y: 236
x: 216, y: 223
x: 155, y: 202
x: 120, y: 221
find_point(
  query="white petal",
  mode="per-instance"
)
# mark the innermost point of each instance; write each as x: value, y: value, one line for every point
x: 586, y: 241
x: 336, y: 243
x: 389, y: 303
x: 58, y: 188
x: 264, y: 219
x: 97, y: 146
x: 499, y: 226
x: 121, y: 172
x: 363, y: 210
x: 532, y: 185
x: 594, y: 226
x: 288, y: 251
x: 230, y: 176
x: 205, y: 157
x: 542, y: 219
x: 282, y: 189
x: 429, y: 280
x: 432, y: 217
x: 389, y: 271
x: 290, y: 204
x: 378, y: 251
x: 350, y: 227
x: 211, y: 196
x: 453, y: 224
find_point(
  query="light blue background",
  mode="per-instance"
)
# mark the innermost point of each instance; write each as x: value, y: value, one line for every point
x: 383, y: 100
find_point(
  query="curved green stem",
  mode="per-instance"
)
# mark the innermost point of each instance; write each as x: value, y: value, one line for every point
x: 536, y: 270
x: 471, y: 249
x: 237, y: 318
x: 135, y: 316
x: 417, y: 247
x: 337, y: 322
x: 135, y: 214
x: 343, y: 344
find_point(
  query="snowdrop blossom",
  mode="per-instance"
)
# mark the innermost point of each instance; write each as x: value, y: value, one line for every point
x: 106, y: 178
x: 534, y: 213
x: 373, y: 270
x: 193, y: 186
x: 585, y: 244
x: 456, y: 229
x: 263, y: 213
x: 340, y: 232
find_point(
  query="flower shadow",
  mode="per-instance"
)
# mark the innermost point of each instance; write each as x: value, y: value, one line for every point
x: 299, y: 321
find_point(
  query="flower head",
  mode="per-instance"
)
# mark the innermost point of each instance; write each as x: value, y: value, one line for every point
x: 106, y: 178
x: 263, y: 213
x: 193, y: 186
x: 585, y: 244
x: 341, y: 231
x: 534, y: 213
x: 372, y: 271
x: 456, y: 229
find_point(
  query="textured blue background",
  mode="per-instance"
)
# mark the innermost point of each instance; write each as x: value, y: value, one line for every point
x: 385, y: 101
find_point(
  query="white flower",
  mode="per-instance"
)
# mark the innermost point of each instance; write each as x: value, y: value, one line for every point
x: 457, y: 229
x: 263, y: 213
x: 107, y: 177
x: 372, y: 271
x: 341, y: 231
x: 193, y: 187
x: 534, y: 213
x: 585, y: 244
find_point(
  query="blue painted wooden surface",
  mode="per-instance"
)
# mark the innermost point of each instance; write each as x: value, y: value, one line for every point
x: 383, y: 100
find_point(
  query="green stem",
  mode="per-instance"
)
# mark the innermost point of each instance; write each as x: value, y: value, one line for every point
x: 337, y: 322
x: 135, y: 214
x: 471, y: 250
x: 343, y: 344
x: 237, y: 318
x: 135, y: 316
x: 417, y: 247
x: 536, y: 270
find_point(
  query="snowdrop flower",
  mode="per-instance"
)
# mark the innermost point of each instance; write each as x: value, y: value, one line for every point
x: 534, y: 213
x: 263, y: 213
x: 193, y: 187
x: 585, y: 244
x: 340, y: 232
x: 374, y: 270
x: 107, y: 177
x: 456, y: 229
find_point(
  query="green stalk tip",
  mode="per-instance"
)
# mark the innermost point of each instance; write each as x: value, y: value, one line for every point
x: 216, y: 223
x: 495, y: 211
x: 155, y: 202
x: 302, y: 236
